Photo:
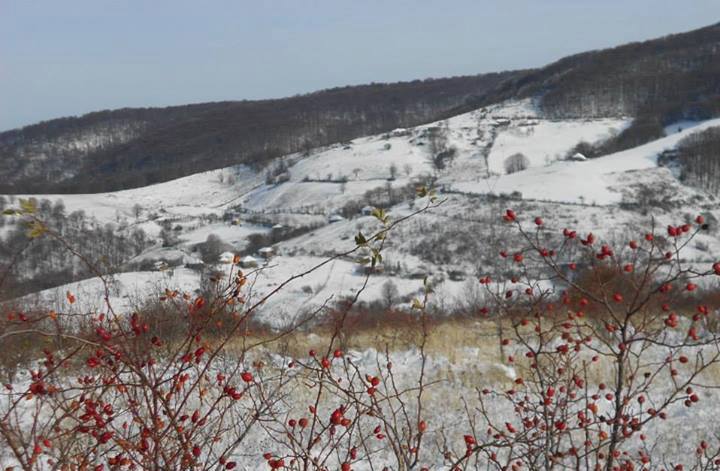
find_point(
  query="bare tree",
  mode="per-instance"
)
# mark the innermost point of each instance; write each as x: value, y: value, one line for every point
x: 389, y: 292
x: 211, y: 248
x: 407, y: 168
x: 437, y: 146
x: 516, y: 163
x: 393, y: 171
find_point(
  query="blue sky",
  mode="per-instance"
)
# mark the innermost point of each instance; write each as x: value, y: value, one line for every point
x: 60, y: 58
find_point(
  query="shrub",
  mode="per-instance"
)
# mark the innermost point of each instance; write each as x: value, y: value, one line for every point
x: 594, y: 362
x: 516, y: 163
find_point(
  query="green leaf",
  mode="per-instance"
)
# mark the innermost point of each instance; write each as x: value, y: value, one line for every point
x: 28, y: 206
x: 423, y: 191
x: 360, y: 239
x: 380, y: 215
x: 36, y: 230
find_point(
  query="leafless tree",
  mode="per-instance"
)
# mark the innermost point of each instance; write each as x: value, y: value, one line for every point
x: 516, y: 163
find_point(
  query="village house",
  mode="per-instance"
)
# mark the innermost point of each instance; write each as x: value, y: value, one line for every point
x: 249, y: 262
x: 266, y: 252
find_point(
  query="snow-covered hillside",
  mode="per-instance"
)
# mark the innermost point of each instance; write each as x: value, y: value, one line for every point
x: 597, y: 181
x: 323, y: 180
x: 296, y: 195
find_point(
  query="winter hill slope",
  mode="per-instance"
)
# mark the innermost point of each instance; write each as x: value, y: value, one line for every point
x: 135, y: 147
x: 596, y: 181
x: 325, y: 179
x: 302, y: 190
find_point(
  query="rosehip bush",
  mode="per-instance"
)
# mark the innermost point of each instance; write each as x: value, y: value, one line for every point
x: 116, y: 391
x: 607, y: 341
x: 603, y: 342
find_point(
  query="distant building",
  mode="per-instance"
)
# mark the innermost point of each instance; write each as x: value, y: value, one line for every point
x: 231, y: 215
x: 266, y: 252
x: 368, y: 268
x: 249, y: 262
x: 420, y: 273
x: 226, y: 257
x: 335, y: 218
x: 197, y: 266
x: 367, y: 210
x: 578, y: 157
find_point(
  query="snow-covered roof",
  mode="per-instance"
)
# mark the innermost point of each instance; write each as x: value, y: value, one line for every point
x: 266, y: 250
x: 248, y: 259
x: 226, y: 257
x: 579, y: 156
x: 335, y: 218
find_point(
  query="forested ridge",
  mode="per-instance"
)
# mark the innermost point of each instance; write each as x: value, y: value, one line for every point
x: 127, y: 148
x: 657, y: 81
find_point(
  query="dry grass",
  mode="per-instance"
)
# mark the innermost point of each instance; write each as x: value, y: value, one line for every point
x: 446, y: 338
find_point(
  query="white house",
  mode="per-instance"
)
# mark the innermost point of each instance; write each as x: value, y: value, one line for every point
x: 161, y: 265
x: 266, y: 252
x: 248, y: 262
x: 368, y: 268
x: 226, y: 257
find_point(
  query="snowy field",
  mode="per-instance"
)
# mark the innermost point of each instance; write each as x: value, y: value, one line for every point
x: 592, y: 181
x: 455, y: 372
